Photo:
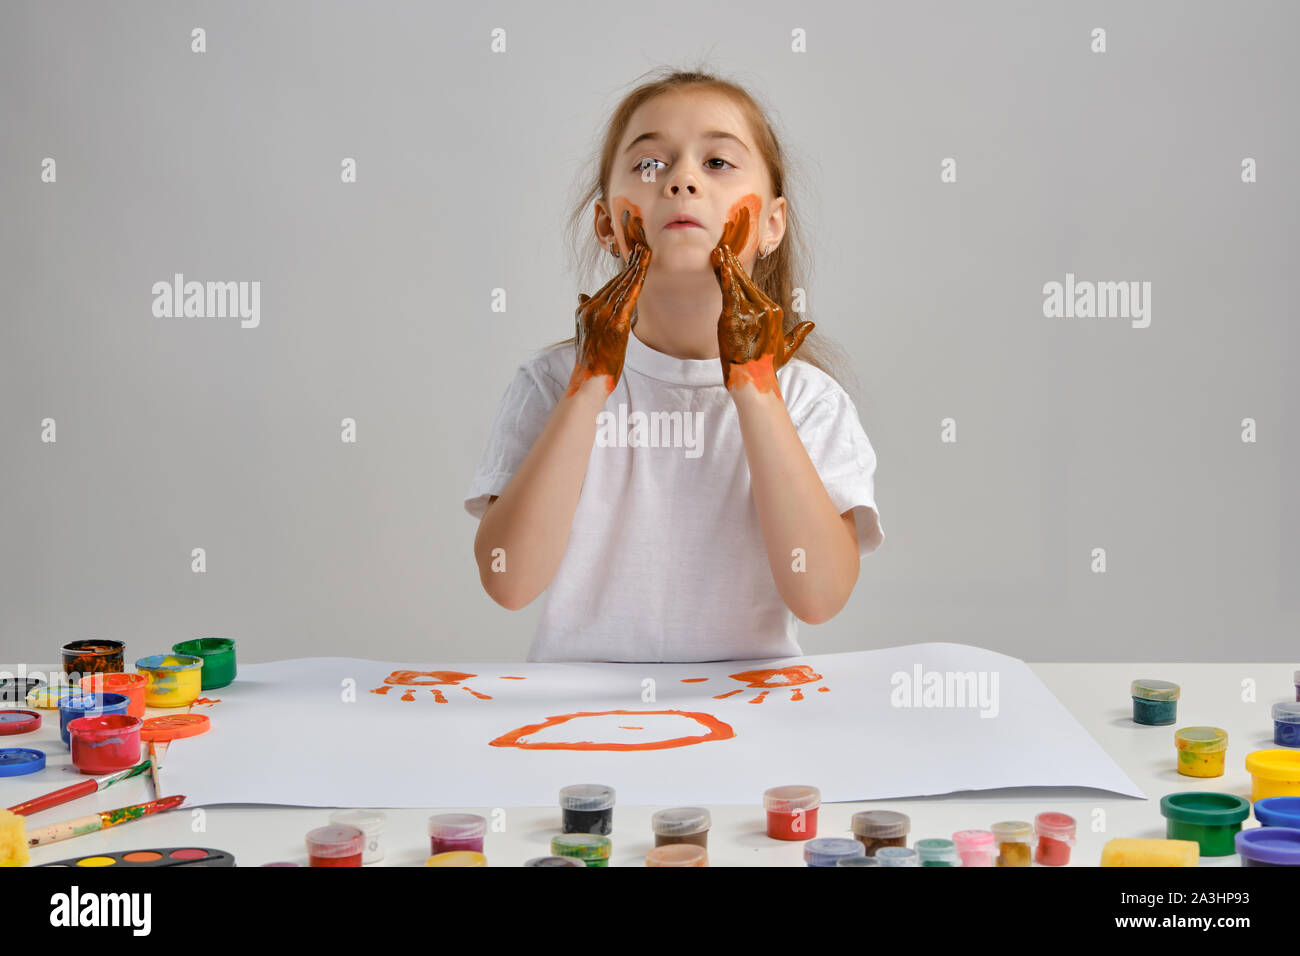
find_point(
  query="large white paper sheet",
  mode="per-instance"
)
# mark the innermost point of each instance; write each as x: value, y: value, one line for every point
x: 899, y: 722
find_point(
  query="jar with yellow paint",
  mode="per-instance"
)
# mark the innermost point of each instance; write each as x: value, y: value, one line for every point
x: 1201, y: 751
x: 1273, y: 773
x: 175, y: 680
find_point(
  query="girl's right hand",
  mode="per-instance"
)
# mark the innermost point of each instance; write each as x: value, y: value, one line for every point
x: 603, y: 321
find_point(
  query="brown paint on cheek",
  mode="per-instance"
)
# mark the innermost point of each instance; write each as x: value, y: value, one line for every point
x: 754, y: 204
x: 617, y: 205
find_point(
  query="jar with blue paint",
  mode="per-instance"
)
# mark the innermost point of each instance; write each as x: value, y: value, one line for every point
x: 828, y: 851
x: 88, y: 705
x: 1213, y: 820
x: 1286, y: 723
x: 1155, y: 702
x: 1278, y: 812
x: 899, y: 856
x: 1269, y: 846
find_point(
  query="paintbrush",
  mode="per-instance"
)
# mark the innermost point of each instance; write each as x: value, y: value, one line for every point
x: 99, y: 821
x: 55, y: 797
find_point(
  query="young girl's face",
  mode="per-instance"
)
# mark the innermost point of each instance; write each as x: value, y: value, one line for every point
x: 672, y: 162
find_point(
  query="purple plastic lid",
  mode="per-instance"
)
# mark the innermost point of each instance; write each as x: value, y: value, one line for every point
x: 1277, y: 845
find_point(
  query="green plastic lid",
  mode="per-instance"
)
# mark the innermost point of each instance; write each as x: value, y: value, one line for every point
x: 1205, y: 809
x: 1154, y: 690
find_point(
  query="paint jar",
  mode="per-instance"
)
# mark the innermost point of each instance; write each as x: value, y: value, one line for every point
x: 1269, y: 846
x: 1055, y: 837
x: 677, y: 854
x: 591, y: 848
x: 681, y: 825
x: 555, y: 861
x: 47, y: 698
x: 369, y: 822
x: 828, y: 851
x: 1278, y: 812
x: 1211, y: 819
x: 449, y: 832
x: 175, y: 680
x: 877, y: 828
x: 975, y: 847
x: 1286, y: 724
x: 1273, y: 773
x: 93, y: 657
x: 457, y: 858
x: 1140, y: 851
x: 857, y: 861
x: 897, y: 856
x: 587, y: 808
x: 1201, y: 751
x: 218, y: 656
x: 334, y: 845
x: 1013, y: 839
x: 130, y: 686
x: 936, y: 851
x: 88, y: 705
x: 106, y: 743
x: 1155, y: 702
x: 792, y: 811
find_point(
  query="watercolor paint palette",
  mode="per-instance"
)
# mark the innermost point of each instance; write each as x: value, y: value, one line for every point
x: 159, y: 856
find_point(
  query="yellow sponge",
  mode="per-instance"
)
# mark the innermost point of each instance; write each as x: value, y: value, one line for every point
x: 1123, y: 851
x: 13, y: 839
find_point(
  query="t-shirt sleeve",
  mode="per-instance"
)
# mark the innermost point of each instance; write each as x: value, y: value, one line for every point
x: 520, y: 418
x: 842, y: 454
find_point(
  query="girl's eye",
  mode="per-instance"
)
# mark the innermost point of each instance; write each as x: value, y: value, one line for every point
x: 641, y: 164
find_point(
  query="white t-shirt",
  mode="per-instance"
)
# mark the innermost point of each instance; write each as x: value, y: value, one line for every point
x: 665, y: 559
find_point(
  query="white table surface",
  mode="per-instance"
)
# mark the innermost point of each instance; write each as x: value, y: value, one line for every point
x: 1097, y: 695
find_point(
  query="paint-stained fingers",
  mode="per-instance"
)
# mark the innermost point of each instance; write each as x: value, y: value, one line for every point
x: 633, y: 276
x: 634, y: 231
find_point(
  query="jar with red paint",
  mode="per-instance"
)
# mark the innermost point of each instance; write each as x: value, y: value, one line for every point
x: 792, y: 811
x: 1055, y: 832
x: 335, y: 846
x: 105, y: 743
x: 450, y: 832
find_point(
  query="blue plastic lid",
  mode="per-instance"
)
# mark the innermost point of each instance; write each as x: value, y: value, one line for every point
x: 1278, y: 811
x: 16, y: 761
x: 857, y: 861
x: 1277, y: 845
x: 827, y: 851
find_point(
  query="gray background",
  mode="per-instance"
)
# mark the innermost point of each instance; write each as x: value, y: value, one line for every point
x: 1073, y: 433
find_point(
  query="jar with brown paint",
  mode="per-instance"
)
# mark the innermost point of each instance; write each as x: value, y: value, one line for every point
x: 681, y: 825
x: 877, y: 828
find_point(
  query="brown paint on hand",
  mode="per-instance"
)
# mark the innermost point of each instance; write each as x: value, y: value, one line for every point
x: 603, y: 322
x: 751, y: 342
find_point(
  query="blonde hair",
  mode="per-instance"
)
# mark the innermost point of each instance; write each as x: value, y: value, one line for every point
x: 777, y: 276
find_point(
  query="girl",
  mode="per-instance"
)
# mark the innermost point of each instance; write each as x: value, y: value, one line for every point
x: 682, y: 484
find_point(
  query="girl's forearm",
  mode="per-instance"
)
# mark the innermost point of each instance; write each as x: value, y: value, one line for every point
x: 523, y: 534
x: 795, y: 511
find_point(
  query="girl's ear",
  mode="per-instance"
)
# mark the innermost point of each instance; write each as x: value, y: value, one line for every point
x: 603, y: 223
x: 773, y: 228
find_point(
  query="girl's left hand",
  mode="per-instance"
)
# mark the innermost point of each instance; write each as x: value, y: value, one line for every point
x: 751, y: 342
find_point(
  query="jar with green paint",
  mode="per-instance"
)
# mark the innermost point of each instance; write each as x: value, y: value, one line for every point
x: 936, y: 852
x: 218, y: 655
x: 1155, y: 702
x: 1213, y: 820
